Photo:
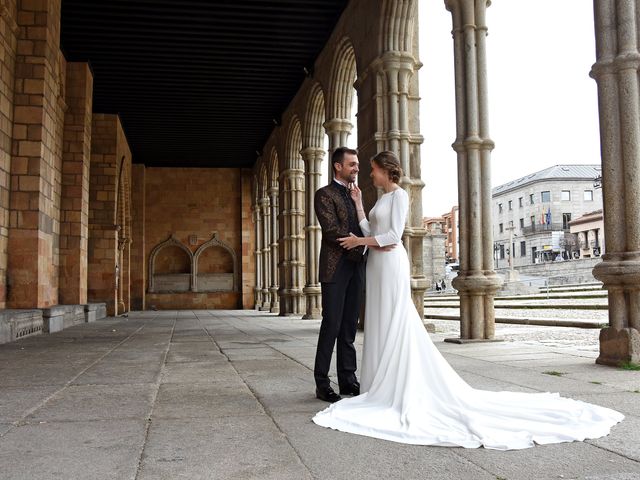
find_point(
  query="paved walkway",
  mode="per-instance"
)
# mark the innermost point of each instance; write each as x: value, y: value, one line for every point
x: 229, y: 395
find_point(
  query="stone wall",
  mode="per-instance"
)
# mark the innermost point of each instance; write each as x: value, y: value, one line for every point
x: 192, y: 204
x: 36, y: 164
x: 558, y: 273
x: 74, y: 230
x: 109, y: 154
x: 8, y: 44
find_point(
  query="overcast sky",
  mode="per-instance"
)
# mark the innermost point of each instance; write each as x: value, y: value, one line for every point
x: 542, y: 102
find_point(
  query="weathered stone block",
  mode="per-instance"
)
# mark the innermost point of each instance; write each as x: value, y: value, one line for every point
x: 16, y: 324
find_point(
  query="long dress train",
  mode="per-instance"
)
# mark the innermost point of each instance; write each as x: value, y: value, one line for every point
x: 412, y: 395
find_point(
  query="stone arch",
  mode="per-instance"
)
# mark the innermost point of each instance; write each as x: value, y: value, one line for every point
x: 273, y: 169
x: 218, y: 281
x: 293, y: 145
x: 183, y: 283
x: 312, y: 128
x: 397, y: 25
x: 342, y: 79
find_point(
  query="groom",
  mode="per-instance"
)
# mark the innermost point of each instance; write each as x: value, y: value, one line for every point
x: 341, y: 277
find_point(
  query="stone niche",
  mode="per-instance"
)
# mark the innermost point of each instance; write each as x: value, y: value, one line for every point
x: 173, y: 268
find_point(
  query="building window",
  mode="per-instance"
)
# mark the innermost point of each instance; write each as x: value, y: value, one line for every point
x: 501, y: 228
x: 499, y: 208
x: 566, y: 195
x: 520, y: 202
x: 588, y: 195
x: 566, y: 218
x: 511, y: 223
x: 510, y: 205
x: 531, y: 202
x: 523, y: 249
x: 522, y: 223
x: 545, y: 197
x: 533, y: 219
x: 501, y: 252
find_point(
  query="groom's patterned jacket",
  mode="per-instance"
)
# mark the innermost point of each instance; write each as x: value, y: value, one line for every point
x: 337, y: 215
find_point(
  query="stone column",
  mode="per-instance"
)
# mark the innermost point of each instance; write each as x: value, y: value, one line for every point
x: 312, y: 160
x: 338, y: 131
x: 257, y: 220
x: 76, y: 157
x: 617, y: 29
x: 397, y: 74
x: 266, y: 253
x: 275, y: 302
x: 292, y: 241
x: 138, y: 254
x: 38, y: 120
x: 477, y: 283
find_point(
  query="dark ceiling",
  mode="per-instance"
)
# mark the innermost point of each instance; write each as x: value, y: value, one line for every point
x: 196, y: 83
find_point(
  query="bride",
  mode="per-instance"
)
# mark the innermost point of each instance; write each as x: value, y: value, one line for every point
x: 410, y: 393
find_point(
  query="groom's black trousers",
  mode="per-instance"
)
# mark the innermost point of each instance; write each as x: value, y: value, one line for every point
x: 341, y: 301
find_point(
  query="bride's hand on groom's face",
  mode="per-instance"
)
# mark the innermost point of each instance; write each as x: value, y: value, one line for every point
x: 356, y: 193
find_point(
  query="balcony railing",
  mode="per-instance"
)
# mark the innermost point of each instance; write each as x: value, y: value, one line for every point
x: 549, y: 227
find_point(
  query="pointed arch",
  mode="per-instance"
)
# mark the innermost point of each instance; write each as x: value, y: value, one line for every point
x: 313, y: 131
x: 398, y: 25
x: 293, y: 145
x: 273, y: 169
x: 342, y: 79
x: 214, y: 242
x: 172, y: 241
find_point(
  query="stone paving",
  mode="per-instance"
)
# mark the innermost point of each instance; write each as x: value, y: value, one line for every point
x: 229, y: 395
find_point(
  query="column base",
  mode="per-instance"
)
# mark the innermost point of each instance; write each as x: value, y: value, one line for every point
x: 619, y: 346
x: 461, y: 341
x: 313, y: 315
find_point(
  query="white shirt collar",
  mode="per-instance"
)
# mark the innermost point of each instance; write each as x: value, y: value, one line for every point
x: 341, y: 183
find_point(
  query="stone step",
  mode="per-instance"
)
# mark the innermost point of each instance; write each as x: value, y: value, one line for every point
x: 530, y: 306
x: 548, y: 322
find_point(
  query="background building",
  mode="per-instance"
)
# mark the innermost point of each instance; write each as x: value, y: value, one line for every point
x: 532, y: 215
x: 589, y: 231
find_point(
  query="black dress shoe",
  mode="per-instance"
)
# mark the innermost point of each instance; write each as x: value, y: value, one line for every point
x: 327, y: 394
x: 353, y: 389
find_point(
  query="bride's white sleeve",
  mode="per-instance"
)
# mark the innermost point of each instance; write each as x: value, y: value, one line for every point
x: 365, y: 227
x: 399, y: 210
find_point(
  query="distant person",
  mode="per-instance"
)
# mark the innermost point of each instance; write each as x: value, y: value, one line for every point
x: 444, y: 285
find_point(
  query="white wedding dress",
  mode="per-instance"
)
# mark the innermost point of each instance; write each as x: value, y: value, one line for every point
x: 412, y: 395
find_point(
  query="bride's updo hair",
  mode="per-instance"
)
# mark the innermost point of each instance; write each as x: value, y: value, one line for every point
x: 388, y: 161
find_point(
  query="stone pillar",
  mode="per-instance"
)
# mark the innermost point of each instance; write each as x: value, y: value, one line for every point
x: 617, y: 29
x: 257, y: 220
x: 109, y: 155
x: 266, y: 253
x: 292, y: 243
x: 273, y: 288
x: 338, y: 131
x: 138, y: 256
x: 312, y: 160
x: 477, y: 283
x: 76, y: 156
x: 38, y: 120
x: 9, y: 31
x: 397, y: 73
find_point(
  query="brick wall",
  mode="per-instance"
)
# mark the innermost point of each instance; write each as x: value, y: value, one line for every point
x: 36, y: 165
x: 74, y: 228
x: 8, y: 44
x: 248, y: 243
x: 193, y: 203
x: 106, y: 224
x: 138, y: 257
